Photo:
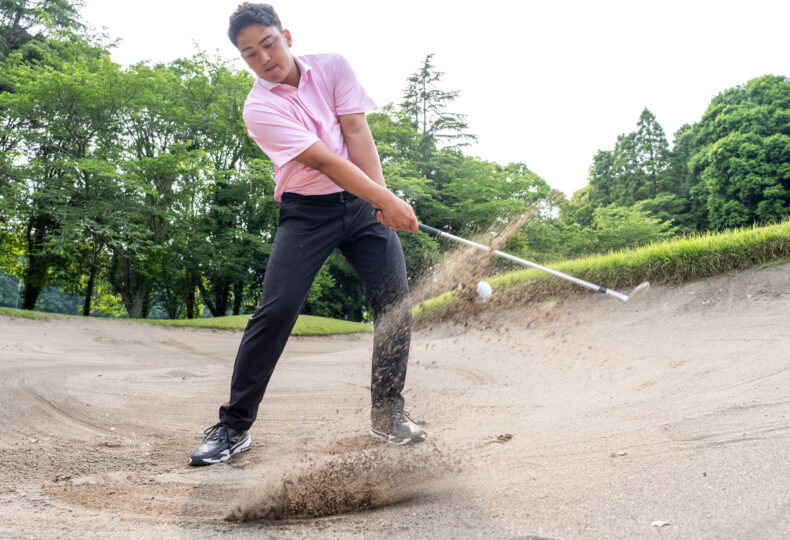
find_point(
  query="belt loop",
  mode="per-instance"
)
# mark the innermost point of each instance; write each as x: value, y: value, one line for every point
x: 342, y: 196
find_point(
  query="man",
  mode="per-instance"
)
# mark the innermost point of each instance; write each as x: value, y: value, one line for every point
x: 308, y: 115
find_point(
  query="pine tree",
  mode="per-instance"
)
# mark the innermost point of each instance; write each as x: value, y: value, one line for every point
x: 426, y: 106
x: 652, y: 151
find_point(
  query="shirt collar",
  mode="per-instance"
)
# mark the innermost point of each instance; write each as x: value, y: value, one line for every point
x: 304, y: 69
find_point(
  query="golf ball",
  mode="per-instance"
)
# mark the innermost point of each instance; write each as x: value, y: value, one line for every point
x: 484, y: 290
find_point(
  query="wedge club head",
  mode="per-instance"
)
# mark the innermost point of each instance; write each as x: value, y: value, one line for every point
x: 639, y: 290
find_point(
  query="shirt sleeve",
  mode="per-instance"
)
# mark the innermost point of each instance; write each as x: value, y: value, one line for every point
x: 279, y: 136
x: 350, y: 97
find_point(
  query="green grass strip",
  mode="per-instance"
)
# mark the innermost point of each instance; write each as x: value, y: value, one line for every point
x: 25, y: 314
x: 669, y: 262
x: 306, y: 325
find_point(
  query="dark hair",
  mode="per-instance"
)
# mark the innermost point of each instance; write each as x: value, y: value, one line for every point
x: 249, y: 13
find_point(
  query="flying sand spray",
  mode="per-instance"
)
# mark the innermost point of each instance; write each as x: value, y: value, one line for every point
x: 484, y: 290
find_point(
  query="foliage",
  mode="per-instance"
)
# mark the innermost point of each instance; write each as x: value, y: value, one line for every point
x: 635, y: 169
x: 546, y: 239
x: 739, y: 155
x: 9, y: 287
x: 425, y: 105
x: 617, y: 227
x: 344, y: 298
x: 64, y: 118
x: 54, y: 300
x: 639, y: 169
x: 24, y: 21
x: 139, y: 190
x: 729, y: 169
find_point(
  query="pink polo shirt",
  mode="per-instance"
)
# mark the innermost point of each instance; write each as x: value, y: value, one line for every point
x: 285, y: 121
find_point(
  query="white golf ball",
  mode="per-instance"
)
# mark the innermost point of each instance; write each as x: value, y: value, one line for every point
x: 484, y: 290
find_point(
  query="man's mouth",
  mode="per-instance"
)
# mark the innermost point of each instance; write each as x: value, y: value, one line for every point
x: 267, y: 70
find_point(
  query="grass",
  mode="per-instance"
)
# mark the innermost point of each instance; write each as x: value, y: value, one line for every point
x: 306, y: 325
x: 25, y: 314
x: 669, y: 262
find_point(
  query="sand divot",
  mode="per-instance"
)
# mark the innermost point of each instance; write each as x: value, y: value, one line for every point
x: 352, y: 482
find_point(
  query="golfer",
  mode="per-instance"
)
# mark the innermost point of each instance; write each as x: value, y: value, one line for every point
x: 307, y: 114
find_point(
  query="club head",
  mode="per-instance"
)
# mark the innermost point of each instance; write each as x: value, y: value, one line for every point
x: 639, y: 290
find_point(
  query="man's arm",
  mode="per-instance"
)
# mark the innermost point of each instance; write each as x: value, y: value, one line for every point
x: 361, y: 146
x: 395, y: 213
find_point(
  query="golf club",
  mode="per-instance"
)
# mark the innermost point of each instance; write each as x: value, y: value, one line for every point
x: 638, y: 291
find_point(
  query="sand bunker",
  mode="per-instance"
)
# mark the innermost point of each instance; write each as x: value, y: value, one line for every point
x: 587, y: 417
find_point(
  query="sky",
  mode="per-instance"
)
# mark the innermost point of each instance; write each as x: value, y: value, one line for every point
x: 546, y: 83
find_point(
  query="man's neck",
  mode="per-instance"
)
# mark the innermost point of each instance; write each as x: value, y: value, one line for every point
x: 296, y: 78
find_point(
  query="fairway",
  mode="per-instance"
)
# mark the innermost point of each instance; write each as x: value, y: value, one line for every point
x: 588, y: 418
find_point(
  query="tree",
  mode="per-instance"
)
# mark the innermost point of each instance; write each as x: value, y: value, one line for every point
x: 546, y: 238
x: 161, y: 171
x: 23, y: 21
x: 235, y: 215
x: 238, y: 231
x: 337, y: 292
x: 617, y: 227
x: 640, y: 168
x: 739, y: 154
x: 483, y: 194
x: 426, y: 107
x: 652, y: 154
x: 67, y: 116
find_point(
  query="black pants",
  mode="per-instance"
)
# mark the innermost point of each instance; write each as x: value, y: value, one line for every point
x: 309, y: 228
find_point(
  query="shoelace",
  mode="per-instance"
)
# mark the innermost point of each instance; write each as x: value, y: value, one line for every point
x: 402, y: 417
x: 216, y: 432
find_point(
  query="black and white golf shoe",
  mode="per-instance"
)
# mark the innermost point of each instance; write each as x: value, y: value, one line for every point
x: 395, y: 427
x: 220, y: 443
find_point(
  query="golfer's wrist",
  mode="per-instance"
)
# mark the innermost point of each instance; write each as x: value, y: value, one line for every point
x: 383, y: 199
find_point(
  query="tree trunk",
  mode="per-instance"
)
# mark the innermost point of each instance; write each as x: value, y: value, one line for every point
x: 134, y: 306
x: 219, y: 306
x: 223, y: 295
x: 206, y: 299
x: 30, y: 297
x: 238, y: 296
x: 147, y: 299
x: 191, y: 304
x: 35, y: 274
x: 132, y: 287
x: 86, y: 307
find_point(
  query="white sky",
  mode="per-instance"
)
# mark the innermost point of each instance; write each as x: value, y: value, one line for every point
x: 547, y: 83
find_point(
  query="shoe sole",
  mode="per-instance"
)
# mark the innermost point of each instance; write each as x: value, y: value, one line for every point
x: 391, y: 439
x: 241, y: 446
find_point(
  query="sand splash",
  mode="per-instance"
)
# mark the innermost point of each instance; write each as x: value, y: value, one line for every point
x: 348, y: 483
x: 463, y: 267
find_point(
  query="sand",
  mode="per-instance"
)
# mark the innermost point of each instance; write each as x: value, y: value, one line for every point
x: 588, y: 418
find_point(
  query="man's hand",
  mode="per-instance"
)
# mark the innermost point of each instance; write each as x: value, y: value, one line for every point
x: 395, y: 213
x: 398, y: 215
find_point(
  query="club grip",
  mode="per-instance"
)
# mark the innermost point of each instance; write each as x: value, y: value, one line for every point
x: 436, y: 233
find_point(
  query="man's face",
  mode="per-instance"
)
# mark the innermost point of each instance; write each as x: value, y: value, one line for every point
x: 265, y: 49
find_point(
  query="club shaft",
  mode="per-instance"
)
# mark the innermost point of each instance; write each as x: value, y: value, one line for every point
x: 441, y: 234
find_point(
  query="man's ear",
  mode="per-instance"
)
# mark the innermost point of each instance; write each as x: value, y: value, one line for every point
x: 288, y: 38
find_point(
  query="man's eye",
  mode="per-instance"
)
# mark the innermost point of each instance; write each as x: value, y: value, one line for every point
x: 250, y: 55
x: 267, y: 46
